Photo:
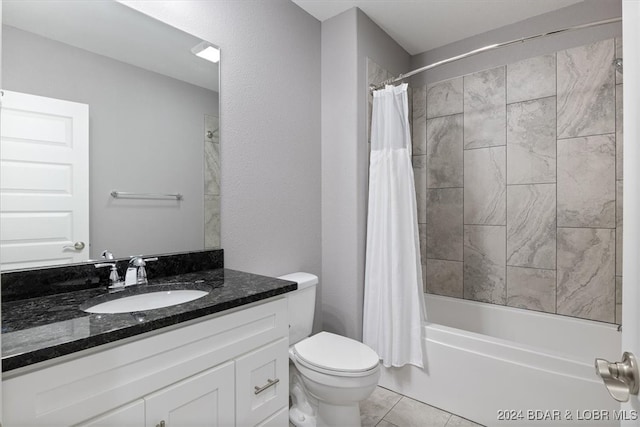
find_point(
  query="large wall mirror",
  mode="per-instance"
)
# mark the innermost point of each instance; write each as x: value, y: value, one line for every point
x: 110, y: 135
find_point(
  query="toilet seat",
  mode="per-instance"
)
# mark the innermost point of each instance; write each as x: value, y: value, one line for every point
x: 336, y: 355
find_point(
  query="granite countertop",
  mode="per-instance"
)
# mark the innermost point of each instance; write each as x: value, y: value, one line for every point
x: 42, y: 328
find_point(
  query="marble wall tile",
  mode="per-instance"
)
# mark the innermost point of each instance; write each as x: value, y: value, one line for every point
x: 586, y: 269
x: 211, y: 155
x: 484, y: 108
x: 424, y: 278
x: 211, y: 221
x: 444, y: 98
x: 531, y: 288
x: 586, y: 90
x: 420, y: 181
x: 211, y: 168
x: 531, y: 78
x: 444, y: 224
x: 619, y: 227
x: 618, y: 290
x: 531, y: 141
x: 619, y: 300
x: 212, y: 124
x: 419, y: 125
x: 531, y: 225
x: 618, y: 42
x: 484, y: 263
x: 485, y: 186
x: 444, y: 277
x: 375, y: 75
x: 422, y: 234
x: 619, y: 134
x: 444, y: 152
x: 586, y: 182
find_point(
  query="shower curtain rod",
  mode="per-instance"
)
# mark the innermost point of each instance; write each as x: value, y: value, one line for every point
x: 488, y: 48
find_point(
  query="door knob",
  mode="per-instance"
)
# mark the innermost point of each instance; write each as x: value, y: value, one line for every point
x: 620, y: 378
x: 78, y: 246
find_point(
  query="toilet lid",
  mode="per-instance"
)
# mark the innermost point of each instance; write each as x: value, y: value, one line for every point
x: 336, y: 353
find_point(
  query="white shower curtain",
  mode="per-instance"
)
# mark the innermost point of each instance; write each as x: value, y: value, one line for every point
x: 393, y: 300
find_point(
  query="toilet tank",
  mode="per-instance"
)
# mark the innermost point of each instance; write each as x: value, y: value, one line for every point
x: 302, y: 303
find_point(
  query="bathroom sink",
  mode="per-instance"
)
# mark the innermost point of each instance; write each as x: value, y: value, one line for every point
x: 144, y: 298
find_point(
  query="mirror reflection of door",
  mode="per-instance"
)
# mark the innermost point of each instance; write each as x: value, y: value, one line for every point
x: 44, y: 187
x: 149, y: 90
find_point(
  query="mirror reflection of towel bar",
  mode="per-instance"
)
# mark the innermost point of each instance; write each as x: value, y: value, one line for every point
x: 129, y: 195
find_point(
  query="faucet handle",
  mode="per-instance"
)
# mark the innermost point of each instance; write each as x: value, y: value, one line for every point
x: 137, y: 267
x: 114, y: 277
x: 106, y: 254
x: 139, y: 261
x: 104, y: 264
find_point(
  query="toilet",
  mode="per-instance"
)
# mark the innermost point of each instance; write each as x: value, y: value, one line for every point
x: 329, y: 375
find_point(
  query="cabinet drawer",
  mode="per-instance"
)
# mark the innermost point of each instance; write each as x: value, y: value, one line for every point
x: 131, y: 415
x: 279, y: 419
x: 262, y: 382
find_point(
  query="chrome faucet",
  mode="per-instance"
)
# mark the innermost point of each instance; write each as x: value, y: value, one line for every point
x: 136, y: 273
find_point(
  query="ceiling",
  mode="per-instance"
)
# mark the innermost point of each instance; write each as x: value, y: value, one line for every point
x: 422, y: 25
x: 111, y: 29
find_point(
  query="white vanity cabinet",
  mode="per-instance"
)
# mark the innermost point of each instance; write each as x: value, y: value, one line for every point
x: 229, y: 370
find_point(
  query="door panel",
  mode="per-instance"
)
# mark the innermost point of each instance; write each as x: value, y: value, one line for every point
x: 44, y: 181
x: 631, y: 240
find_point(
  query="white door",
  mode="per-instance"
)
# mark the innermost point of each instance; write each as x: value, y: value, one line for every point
x: 44, y: 182
x: 205, y: 399
x: 631, y: 240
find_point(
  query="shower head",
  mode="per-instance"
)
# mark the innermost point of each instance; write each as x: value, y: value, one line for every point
x: 618, y: 64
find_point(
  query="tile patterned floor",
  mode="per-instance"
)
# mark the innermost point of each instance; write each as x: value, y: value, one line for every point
x: 385, y: 408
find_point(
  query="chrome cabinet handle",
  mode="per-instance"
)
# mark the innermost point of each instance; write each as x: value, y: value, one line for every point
x: 78, y: 246
x: 620, y: 378
x: 269, y: 383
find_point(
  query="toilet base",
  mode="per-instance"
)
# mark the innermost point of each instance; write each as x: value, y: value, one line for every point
x: 338, y: 415
x: 327, y: 416
x: 304, y: 407
x: 339, y: 407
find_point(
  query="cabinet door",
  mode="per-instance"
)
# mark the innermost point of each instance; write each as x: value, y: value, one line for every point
x: 131, y: 415
x: 205, y: 399
x: 279, y: 419
x: 262, y: 382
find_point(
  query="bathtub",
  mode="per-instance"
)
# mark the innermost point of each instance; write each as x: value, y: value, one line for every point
x: 504, y: 366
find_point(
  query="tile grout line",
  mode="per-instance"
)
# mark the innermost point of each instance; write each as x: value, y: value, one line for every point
x: 555, y: 294
x: 506, y: 193
x: 530, y: 99
x: 586, y: 136
x: 463, y: 189
x: 402, y: 396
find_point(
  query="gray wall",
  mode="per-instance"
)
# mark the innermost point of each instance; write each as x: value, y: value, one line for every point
x: 270, y: 128
x: 580, y: 13
x: 146, y: 135
x: 347, y: 40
